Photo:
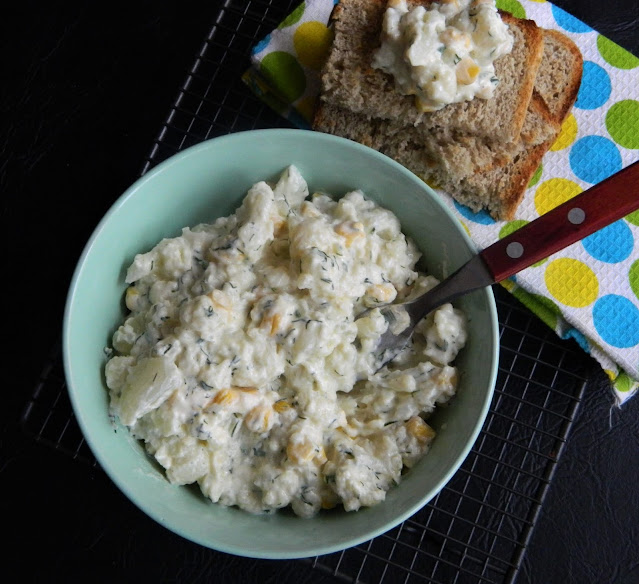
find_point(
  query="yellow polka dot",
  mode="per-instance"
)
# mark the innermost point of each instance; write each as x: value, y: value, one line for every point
x: 572, y: 282
x: 312, y: 41
x: 508, y: 285
x: 465, y: 227
x: 540, y: 1
x: 567, y: 134
x: 306, y: 107
x: 553, y: 193
x: 610, y: 374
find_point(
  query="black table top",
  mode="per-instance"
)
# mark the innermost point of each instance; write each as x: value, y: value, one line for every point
x: 85, y: 91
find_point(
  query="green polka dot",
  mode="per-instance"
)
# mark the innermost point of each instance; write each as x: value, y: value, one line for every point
x: 285, y: 73
x: 535, y: 177
x: 633, y: 276
x: 294, y: 16
x: 633, y: 218
x: 623, y: 383
x: 543, y: 307
x: 616, y: 55
x: 511, y: 227
x: 622, y: 123
x: 512, y: 6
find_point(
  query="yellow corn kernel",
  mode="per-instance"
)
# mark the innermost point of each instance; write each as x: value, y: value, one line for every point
x: 419, y: 429
x: 276, y: 323
x: 131, y: 297
x: 273, y: 321
x: 350, y: 230
x: 259, y: 419
x: 305, y: 451
x: 382, y: 292
x: 299, y: 452
x: 467, y: 71
x: 220, y: 300
x: 281, y: 406
x: 224, y: 397
x: 244, y: 389
x: 309, y: 210
x: 447, y: 377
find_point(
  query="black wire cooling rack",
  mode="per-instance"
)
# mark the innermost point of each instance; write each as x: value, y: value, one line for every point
x: 477, y: 528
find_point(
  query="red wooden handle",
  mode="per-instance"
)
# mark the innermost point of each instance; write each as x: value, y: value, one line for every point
x: 600, y: 205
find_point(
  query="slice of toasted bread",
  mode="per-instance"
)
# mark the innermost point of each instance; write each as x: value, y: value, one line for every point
x: 563, y: 65
x: 349, y: 81
x: 497, y: 187
x: 462, y: 155
x: 558, y: 85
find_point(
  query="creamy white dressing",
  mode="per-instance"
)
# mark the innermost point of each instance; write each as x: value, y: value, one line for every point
x: 242, y: 367
x: 445, y: 53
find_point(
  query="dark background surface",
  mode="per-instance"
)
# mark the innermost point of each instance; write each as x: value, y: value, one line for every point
x: 85, y: 90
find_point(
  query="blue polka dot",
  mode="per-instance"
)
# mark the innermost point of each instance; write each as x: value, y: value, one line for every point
x: 568, y: 21
x: 581, y: 339
x: 594, y: 158
x: 612, y: 244
x: 595, y: 87
x: 262, y: 44
x: 483, y: 218
x: 617, y: 321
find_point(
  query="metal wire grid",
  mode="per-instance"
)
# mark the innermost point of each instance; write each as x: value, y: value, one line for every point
x: 214, y: 99
x: 477, y: 528
x: 48, y: 415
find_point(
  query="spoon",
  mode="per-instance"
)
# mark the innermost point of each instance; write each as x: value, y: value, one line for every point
x: 595, y: 208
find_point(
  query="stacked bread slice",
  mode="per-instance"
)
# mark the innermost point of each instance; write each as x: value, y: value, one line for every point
x: 482, y: 152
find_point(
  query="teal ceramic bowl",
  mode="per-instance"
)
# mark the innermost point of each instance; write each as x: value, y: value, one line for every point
x: 198, y: 185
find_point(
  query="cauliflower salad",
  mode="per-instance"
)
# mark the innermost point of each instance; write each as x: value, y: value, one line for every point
x: 444, y: 52
x: 242, y: 365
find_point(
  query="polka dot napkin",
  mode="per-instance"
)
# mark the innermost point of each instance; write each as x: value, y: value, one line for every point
x: 589, y: 291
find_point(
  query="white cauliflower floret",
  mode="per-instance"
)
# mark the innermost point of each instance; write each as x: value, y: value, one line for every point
x: 149, y: 382
x: 445, y: 333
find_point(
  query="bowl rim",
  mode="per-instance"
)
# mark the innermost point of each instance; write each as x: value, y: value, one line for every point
x: 176, y: 159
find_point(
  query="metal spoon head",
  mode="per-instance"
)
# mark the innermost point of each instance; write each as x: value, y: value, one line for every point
x: 403, y: 317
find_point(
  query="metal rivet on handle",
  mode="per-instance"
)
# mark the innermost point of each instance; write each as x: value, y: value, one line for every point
x: 576, y: 216
x: 514, y: 250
